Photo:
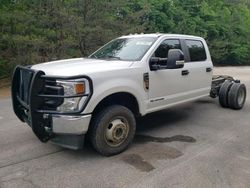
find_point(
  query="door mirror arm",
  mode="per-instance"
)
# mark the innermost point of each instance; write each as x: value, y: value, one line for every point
x: 155, y: 63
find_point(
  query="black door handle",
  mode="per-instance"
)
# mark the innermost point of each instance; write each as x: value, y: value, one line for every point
x: 184, y: 72
x: 209, y: 69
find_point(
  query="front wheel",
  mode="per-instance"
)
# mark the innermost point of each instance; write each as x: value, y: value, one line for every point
x: 112, y: 130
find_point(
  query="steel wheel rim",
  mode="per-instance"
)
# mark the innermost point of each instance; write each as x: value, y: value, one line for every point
x: 241, y: 97
x: 116, y: 131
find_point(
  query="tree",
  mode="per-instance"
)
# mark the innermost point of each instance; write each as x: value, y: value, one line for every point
x: 34, y: 31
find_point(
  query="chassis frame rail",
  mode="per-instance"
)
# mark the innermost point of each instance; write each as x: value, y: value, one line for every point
x: 217, y: 81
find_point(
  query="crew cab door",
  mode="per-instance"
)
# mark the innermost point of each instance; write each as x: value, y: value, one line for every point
x: 199, y: 66
x: 168, y: 87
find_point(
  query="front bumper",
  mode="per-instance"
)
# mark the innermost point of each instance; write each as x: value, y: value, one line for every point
x: 76, y: 125
x: 35, y: 98
x: 69, y: 131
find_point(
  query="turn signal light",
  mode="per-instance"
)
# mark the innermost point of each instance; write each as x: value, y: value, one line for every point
x: 80, y: 88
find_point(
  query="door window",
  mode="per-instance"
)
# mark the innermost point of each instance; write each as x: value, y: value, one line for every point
x: 166, y: 45
x: 196, y: 50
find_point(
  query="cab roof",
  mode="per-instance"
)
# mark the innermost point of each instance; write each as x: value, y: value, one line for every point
x: 157, y: 35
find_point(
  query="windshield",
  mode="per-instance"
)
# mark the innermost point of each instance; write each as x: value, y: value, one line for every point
x: 128, y: 49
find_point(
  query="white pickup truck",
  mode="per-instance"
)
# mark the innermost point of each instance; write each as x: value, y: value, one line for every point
x: 101, y: 96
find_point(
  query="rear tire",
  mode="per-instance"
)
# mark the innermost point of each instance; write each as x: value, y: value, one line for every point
x: 112, y: 130
x: 223, y: 93
x: 237, y: 96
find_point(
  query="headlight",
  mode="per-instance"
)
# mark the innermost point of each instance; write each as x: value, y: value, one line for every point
x: 73, y: 88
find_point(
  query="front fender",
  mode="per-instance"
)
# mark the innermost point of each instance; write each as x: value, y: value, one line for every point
x: 107, y: 88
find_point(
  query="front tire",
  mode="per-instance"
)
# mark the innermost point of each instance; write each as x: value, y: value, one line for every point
x: 112, y: 130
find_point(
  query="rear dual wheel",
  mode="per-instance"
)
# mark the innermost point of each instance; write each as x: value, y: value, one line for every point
x: 237, y: 96
x: 232, y: 95
x: 223, y: 93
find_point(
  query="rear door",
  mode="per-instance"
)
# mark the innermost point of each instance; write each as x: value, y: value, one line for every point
x: 199, y: 67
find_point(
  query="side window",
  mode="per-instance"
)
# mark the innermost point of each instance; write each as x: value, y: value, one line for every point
x: 196, y: 50
x: 166, y: 45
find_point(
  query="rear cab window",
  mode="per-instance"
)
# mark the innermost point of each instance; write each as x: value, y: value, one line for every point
x: 196, y: 50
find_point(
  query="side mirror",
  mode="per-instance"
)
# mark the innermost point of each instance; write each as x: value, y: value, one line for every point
x: 153, y: 63
x: 175, y: 59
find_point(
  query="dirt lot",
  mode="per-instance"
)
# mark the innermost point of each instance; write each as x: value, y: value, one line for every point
x: 198, y: 144
x: 5, y: 92
x: 4, y: 88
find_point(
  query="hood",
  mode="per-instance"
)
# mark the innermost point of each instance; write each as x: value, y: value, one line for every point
x: 80, y: 66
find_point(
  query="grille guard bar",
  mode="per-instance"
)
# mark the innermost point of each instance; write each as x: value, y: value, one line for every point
x: 30, y: 107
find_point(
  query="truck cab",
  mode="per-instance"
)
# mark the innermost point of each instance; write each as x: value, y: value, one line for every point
x: 174, y: 85
x: 98, y: 98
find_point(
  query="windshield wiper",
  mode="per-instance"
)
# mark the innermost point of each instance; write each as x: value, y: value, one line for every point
x: 94, y: 56
x: 112, y: 57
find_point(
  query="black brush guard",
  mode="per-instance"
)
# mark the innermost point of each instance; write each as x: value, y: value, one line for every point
x: 35, y: 97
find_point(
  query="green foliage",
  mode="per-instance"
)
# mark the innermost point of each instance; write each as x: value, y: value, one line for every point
x: 34, y: 31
